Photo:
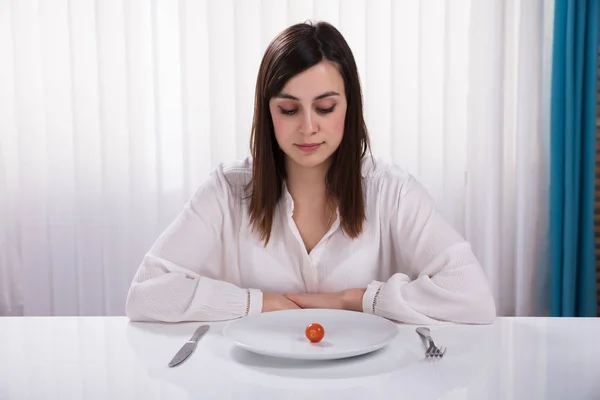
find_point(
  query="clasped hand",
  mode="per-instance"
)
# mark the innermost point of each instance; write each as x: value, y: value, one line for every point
x: 350, y: 299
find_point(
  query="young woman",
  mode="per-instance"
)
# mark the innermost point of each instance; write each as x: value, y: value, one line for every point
x: 311, y: 220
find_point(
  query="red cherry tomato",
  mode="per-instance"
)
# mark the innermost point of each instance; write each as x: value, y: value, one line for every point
x: 315, y: 332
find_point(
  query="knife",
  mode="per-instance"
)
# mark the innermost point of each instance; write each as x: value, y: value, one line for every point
x: 188, y: 348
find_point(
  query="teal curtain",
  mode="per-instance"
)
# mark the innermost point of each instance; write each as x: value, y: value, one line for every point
x: 572, y: 151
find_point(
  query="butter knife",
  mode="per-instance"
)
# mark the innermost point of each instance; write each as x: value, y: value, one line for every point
x: 189, y: 347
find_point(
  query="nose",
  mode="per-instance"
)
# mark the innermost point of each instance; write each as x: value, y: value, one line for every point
x: 308, y: 125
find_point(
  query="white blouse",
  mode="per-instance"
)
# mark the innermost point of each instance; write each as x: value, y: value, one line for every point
x: 209, y: 266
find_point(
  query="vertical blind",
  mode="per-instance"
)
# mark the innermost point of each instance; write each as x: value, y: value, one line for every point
x: 112, y: 112
x: 597, y: 188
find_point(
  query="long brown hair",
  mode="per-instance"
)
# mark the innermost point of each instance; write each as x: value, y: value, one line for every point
x: 293, y: 51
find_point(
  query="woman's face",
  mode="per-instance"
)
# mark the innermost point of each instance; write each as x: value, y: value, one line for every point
x: 308, y: 115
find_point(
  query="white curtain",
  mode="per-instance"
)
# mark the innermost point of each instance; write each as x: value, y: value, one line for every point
x: 113, y: 111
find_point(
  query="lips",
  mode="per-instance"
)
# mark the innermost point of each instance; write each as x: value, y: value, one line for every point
x: 309, y: 147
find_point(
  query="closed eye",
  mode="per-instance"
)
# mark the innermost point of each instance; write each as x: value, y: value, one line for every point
x: 326, y: 110
x: 288, y: 112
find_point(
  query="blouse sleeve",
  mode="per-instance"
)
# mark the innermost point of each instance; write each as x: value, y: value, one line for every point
x: 441, y: 279
x: 178, y: 279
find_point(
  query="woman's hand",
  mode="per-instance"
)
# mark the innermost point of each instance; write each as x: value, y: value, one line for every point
x: 350, y: 299
x: 277, y: 302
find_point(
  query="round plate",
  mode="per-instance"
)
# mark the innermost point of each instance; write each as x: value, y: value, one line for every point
x: 281, y: 333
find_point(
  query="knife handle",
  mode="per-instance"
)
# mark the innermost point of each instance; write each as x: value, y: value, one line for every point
x: 199, y: 332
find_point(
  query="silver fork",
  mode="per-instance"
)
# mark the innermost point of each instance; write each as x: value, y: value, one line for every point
x: 432, y: 350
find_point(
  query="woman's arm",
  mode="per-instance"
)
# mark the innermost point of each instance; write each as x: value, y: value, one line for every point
x: 446, y: 282
x: 178, y: 279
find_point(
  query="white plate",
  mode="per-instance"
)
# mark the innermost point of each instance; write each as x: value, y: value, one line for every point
x: 282, y: 333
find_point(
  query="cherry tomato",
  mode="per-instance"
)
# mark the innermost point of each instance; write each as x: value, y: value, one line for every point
x: 315, y: 332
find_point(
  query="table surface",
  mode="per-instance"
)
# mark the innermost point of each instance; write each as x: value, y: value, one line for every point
x: 113, y: 358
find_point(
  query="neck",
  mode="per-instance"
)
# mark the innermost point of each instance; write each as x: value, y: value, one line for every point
x: 306, y: 184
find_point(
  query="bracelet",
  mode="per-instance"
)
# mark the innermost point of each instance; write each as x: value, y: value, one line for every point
x: 247, y: 301
x: 375, y: 298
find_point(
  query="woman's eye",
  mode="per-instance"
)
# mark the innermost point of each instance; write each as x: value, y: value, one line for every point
x: 287, y: 112
x: 326, y: 110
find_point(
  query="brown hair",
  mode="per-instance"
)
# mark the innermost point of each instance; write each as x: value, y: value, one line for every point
x: 293, y: 51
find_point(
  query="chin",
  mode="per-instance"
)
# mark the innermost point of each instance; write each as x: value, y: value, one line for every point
x: 311, y: 161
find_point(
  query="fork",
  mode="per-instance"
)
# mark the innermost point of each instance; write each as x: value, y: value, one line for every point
x: 432, y: 350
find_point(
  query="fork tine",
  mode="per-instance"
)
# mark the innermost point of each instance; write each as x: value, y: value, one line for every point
x: 440, y: 352
x: 430, y: 351
x: 436, y: 352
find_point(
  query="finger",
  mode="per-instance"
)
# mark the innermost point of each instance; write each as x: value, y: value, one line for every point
x: 302, y: 300
x: 294, y: 298
x: 309, y: 300
x: 291, y: 296
x: 293, y: 306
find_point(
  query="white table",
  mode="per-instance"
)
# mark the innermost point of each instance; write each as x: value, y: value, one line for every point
x: 112, y: 358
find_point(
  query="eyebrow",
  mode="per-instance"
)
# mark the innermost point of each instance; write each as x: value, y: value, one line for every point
x: 319, y: 97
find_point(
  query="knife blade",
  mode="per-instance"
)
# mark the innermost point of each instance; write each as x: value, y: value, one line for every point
x: 189, y: 347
